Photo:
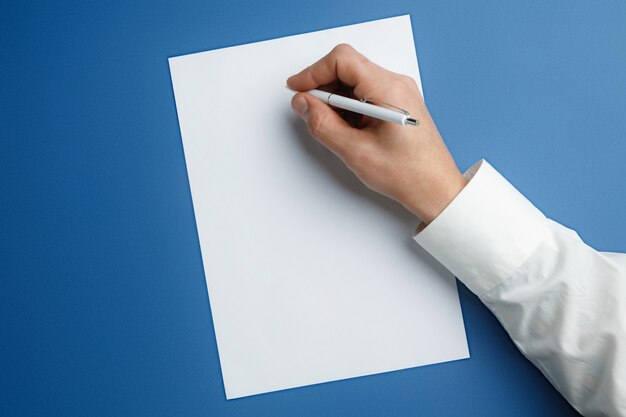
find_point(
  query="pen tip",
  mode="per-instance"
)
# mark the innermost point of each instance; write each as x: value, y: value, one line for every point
x: 411, y: 121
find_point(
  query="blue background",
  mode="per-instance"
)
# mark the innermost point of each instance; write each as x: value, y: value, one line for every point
x: 103, y: 305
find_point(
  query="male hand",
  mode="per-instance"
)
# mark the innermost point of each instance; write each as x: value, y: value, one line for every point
x: 408, y: 164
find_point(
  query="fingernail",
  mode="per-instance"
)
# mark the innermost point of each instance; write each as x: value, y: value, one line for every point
x: 300, y: 106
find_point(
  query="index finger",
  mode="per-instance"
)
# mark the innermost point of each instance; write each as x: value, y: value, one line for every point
x: 343, y: 63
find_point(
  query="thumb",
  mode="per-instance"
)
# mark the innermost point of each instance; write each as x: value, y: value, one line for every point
x: 324, y: 123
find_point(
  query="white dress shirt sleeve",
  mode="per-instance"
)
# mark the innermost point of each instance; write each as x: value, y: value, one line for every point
x: 562, y: 302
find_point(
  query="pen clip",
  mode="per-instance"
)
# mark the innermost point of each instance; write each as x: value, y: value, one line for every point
x: 372, y: 101
x: 410, y: 120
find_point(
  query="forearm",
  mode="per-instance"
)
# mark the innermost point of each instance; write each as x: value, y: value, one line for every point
x: 562, y: 302
x: 565, y: 310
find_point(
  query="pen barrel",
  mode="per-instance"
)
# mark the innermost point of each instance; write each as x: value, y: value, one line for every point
x: 360, y: 107
x: 367, y: 109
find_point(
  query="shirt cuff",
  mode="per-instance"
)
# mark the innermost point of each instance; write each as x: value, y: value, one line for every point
x: 487, y: 232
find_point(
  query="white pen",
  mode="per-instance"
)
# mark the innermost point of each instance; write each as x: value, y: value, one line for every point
x: 398, y: 116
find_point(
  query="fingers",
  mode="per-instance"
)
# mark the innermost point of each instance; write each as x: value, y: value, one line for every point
x: 343, y: 63
x: 325, y: 124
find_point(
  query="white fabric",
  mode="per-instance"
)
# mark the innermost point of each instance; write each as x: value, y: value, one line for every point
x: 562, y: 302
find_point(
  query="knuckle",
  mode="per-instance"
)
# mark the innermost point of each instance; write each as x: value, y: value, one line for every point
x: 343, y: 49
x: 316, y: 124
x: 409, y: 81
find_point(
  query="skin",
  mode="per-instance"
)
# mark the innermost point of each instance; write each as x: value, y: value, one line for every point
x: 411, y: 165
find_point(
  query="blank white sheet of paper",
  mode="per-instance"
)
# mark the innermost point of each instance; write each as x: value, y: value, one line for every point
x: 311, y: 276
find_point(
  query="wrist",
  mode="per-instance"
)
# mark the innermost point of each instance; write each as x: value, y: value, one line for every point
x: 429, y: 203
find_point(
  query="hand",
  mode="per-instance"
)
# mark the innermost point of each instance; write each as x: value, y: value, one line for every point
x: 408, y: 164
